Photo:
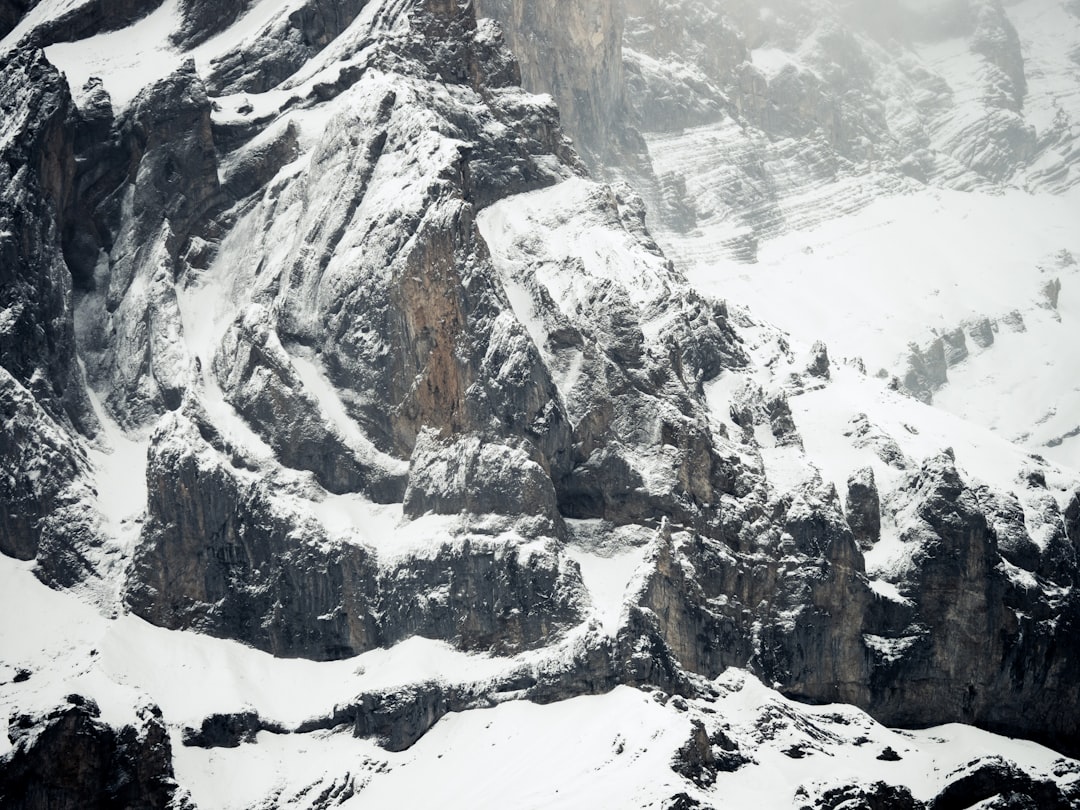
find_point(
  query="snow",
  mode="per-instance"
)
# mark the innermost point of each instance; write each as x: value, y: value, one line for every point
x: 833, y: 757
x: 506, y: 757
x: 887, y: 590
x: 134, y: 57
x: 124, y: 662
x: 612, y: 750
x: 126, y: 60
x: 119, y: 461
x: 872, y: 282
x: 570, y: 220
x: 899, y: 271
x: 606, y: 576
x: 208, y: 304
x: 279, y: 767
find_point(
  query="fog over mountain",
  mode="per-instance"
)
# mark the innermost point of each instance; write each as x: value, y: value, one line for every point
x: 554, y: 404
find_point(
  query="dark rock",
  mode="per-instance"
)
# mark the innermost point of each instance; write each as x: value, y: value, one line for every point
x: 220, y: 555
x: 695, y: 760
x: 44, y: 467
x: 863, y: 433
x: 37, y: 169
x: 279, y: 52
x: 253, y: 167
x: 955, y: 345
x: 976, y: 661
x: 132, y: 343
x: 1072, y: 520
x: 228, y: 730
x: 876, y: 796
x: 927, y: 370
x: 993, y: 776
x: 863, y: 508
x: 87, y: 19
x: 819, y: 361
x: 1051, y: 292
x: 1005, y: 516
x: 889, y: 755
x: 486, y: 594
x: 202, y: 19
x: 11, y: 13
x: 216, y: 556
x: 683, y: 801
x: 399, y: 718
x: 260, y: 380
x: 69, y: 758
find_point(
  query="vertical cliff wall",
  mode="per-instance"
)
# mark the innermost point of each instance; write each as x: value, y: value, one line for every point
x: 572, y: 50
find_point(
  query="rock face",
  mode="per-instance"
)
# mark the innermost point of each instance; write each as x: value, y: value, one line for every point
x: 37, y: 331
x: 573, y: 52
x: 967, y: 596
x: 69, y: 758
x: 475, y: 476
x: 863, y: 508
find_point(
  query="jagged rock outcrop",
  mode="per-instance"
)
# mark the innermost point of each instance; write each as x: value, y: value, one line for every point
x: 995, y: 778
x: 573, y: 52
x: 41, y: 486
x: 37, y: 330
x: 83, y: 20
x: 221, y: 554
x: 70, y: 758
x: 281, y: 49
x: 722, y: 603
x: 863, y: 507
x: 262, y: 383
x: 216, y: 555
x: 978, y: 644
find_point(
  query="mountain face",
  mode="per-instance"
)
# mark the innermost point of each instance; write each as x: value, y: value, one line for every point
x: 397, y: 407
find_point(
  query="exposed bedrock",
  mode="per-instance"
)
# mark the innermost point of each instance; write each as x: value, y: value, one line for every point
x: 132, y: 339
x: 84, y: 20
x: 41, y: 486
x: 574, y: 52
x: 70, y: 759
x: 974, y: 638
x: 260, y: 380
x: 37, y: 331
x: 983, y: 642
x: 223, y: 554
x: 285, y: 45
x: 863, y: 508
x: 478, y: 475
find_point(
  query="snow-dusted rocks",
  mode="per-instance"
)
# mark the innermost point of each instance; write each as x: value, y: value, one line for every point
x: 392, y: 415
x: 70, y: 758
x: 225, y: 553
x: 473, y: 476
x: 963, y: 593
x: 37, y: 335
x: 862, y: 507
